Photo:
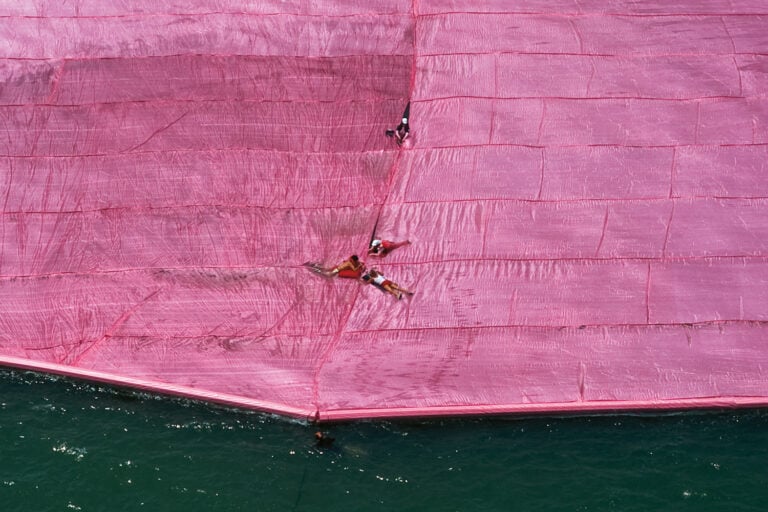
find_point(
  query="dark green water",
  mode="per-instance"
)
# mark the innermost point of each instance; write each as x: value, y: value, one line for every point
x: 67, y: 445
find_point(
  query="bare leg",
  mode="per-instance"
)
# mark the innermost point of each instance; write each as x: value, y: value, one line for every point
x: 393, y: 291
x: 407, y: 292
x: 383, y: 252
x: 397, y: 291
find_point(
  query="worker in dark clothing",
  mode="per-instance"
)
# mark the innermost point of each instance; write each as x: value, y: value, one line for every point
x: 403, y: 129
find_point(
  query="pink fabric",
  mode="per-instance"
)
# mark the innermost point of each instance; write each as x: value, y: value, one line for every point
x: 584, y: 186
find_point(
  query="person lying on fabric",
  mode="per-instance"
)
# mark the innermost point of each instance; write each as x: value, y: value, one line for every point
x: 351, y: 268
x: 377, y: 278
x: 384, y: 247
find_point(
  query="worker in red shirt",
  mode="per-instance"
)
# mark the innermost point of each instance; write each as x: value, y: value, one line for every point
x: 384, y: 247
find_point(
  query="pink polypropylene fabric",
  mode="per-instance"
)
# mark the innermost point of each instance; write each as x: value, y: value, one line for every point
x: 585, y: 189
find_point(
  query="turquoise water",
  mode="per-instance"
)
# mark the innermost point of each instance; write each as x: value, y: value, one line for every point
x: 68, y: 445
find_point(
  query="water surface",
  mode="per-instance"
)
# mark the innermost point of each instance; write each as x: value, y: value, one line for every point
x: 69, y: 445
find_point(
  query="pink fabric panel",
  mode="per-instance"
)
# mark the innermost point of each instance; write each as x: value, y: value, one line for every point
x: 689, y: 361
x: 574, y: 76
x: 399, y: 369
x: 500, y: 172
x: 260, y: 308
x: 50, y: 316
x: 577, y: 230
x: 594, y: 6
x: 548, y: 230
x: 445, y: 76
x: 217, y: 78
x: 507, y: 172
x: 472, y: 33
x: 25, y: 81
x: 277, y: 368
x: 603, y: 35
x: 453, y: 122
x: 455, y: 229
x: 436, y: 367
x: 653, y: 35
x: 611, y: 172
x: 524, y: 293
x: 583, y: 229
x: 731, y: 171
x: 519, y: 75
x: 498, y: 6
x: 97, y: 8
x: 180, y: 237
x: 621, y: 122
x: 672, y: 76
x: 182, y: 126
x: 754, y: 73
x: 516, y: 122
x: 173, y: 303
x: 166, y: 179
x: 232, y: 34
x: 634, y: 229
x: 738, y: 121
x: 718, y: 227
x: 748, y: 33
x: 213, y: 78
x: 709, y: 290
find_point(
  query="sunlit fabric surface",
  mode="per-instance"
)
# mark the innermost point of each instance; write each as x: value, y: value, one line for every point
x: 585, y: 188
